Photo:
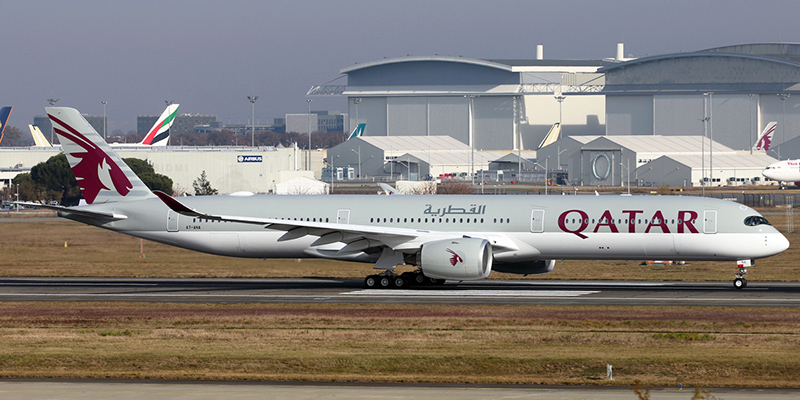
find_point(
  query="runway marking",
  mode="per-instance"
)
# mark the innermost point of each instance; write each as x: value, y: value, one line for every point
x: 474, y: 293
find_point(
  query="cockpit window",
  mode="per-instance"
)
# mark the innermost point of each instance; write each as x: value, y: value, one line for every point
x: 754, y: 220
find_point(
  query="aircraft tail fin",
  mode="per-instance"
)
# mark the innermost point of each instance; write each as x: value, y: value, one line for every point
x: 358, y: 131
x: 552, y: 136
x: 765, y: 140
x: 100, y: 172
x: 158, y: 135
x: 38, y: 137
x: 4, y: 113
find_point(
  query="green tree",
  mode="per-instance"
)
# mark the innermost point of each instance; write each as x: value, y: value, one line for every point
x: 145, y: 171
x: 57, y: 179
x: 202, y: 187
x: 28, y: 189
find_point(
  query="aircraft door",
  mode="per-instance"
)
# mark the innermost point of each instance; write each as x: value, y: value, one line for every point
x: 343, y: 217
x: 537, y: 221
x: 172, y: 221
x: 710, y: 221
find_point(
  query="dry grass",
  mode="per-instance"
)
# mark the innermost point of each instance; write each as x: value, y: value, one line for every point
x: 480, y: 344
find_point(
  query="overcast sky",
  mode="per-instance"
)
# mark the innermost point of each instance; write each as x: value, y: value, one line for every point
x: 210, y: 55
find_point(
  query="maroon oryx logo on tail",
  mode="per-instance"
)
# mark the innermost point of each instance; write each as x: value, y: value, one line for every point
x: 95, y: 170
x: 455, y: 259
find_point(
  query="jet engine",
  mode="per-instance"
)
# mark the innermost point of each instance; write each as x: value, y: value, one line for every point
x: 526, y: 267
x: 463, y: 259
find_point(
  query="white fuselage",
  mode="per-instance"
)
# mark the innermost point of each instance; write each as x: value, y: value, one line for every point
x: 519, y: 228
x: 783, y: 171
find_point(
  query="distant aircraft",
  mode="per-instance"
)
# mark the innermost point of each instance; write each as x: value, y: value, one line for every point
x: 552, y: 135
x: 158, y: 135
x: 38, y: 137
x: 765, y: 140
x: 458, y: 237
x: 783, y: 171
x: 358, y: 131
x: 4, y: 113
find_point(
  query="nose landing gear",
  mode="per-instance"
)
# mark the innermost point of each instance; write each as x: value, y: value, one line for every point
x: 740, y: 282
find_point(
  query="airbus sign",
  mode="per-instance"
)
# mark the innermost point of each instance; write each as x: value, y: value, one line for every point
x: 243, y: 159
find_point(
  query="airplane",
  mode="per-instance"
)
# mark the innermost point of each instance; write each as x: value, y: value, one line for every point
x: 38, y: 137
x: 4, y: 114
x: 358, y: 131
x: 783, y: 171
x: 158, y: 134
x: 455, y: 238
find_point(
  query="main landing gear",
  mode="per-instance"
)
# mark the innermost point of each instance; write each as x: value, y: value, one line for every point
x: 740, y: 282
x: 389, y: 280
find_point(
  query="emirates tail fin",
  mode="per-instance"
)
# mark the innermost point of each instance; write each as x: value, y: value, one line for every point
x: 158, y: 135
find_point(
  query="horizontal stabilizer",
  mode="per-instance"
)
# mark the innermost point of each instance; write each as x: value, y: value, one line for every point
x: 75, y: 211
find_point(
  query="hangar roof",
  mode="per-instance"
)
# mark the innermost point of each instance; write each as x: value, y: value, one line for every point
x: 659, y: 144
x: 510, y: 65
x: 415, y: 143
x: 726, y: 161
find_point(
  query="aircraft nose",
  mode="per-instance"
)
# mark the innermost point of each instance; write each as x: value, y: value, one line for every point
x: 776, y: 243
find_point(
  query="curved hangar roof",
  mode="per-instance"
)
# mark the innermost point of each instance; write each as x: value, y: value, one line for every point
x: 441, y: 70
x: 754, y: 68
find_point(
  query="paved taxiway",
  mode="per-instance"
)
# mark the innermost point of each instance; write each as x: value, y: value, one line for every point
x: 95, y: 389
x: 768, y: 294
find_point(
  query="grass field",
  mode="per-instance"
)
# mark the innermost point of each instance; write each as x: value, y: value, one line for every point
x: 481, y: 344
x: 662, y: 346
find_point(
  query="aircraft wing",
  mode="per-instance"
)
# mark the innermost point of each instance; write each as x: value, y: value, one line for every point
x: 75, y: 210
x: 356, y: 237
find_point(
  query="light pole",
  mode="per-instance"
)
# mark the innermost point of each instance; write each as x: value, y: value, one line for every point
x: 471, y: 138
x: 356, y: 101
x: 105, y: 124
x: 560, y: 98
x: 308, y: 124
x: 52, y: 103
x: 359, y: 160
x: 253, y: 120
x: 545, y: 174
x: 783, y: 97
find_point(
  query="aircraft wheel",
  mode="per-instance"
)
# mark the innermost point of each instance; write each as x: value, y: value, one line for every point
x: 740, y: 283
x: 384, y: 282
x: 371, y: 282
x: 435, y: 281
x: 419, y: 279
x: 399, y: 282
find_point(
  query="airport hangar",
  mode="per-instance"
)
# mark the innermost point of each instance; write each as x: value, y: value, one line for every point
x: 228, y: 169
x: 727, y: 94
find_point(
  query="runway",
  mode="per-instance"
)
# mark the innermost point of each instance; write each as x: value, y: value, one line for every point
x: 134, y: 390
x: 314, y: 290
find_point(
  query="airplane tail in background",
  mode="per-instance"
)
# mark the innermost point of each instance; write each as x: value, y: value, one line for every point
x: 552, y: 136
x: 100, y: 172
x: 158, y: 135
x: 38, y: 137
x: 4, y: 113
x: 765, y: 140
x: 358, y: 131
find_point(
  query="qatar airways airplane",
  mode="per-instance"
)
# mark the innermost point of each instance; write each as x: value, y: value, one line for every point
x: 458, y: 237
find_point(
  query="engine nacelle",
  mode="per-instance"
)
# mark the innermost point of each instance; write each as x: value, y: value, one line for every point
x: 463, y: 259
x: 526, y: 267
